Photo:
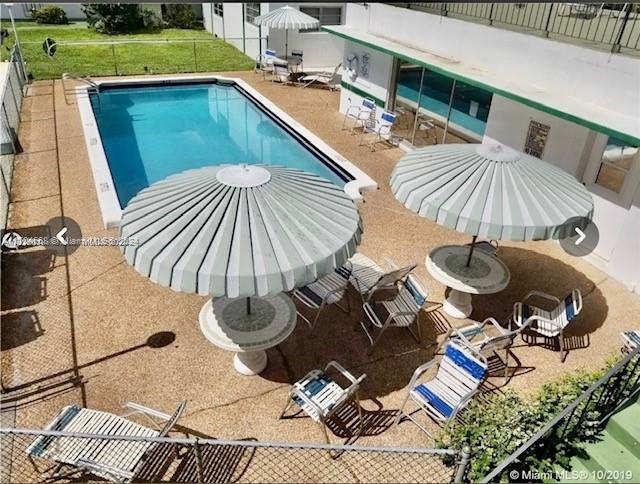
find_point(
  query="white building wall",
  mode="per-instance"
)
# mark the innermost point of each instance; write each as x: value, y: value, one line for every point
x: 578, y: 150
x: 230, y: 26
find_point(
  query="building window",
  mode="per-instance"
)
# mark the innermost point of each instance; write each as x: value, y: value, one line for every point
x: 251, y: 11
x: 615, y: 165
x: 218, y: 9
x: 326, y: 15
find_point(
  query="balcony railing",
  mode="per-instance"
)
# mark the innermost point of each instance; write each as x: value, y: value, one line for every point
x: 610, y: 26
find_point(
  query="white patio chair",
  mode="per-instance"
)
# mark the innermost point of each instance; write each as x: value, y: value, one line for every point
x: 460, y: 373
x: 281, y: 72
x: 328, y: 79
x: 485, y: 337
x: 548, y: 323
x: 113, y: 459
x: 402, y: 311
x: 363, y: 274
x: 630, y: 340
x: 319, y: 396
x: 264, y: 63
x: 359, y: 114
x: 380, y: 129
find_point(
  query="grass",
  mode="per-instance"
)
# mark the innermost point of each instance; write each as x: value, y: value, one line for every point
x: 207, y: 54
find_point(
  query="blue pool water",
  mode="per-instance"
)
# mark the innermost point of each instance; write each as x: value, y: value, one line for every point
x: 470, y: 108
x: 151, y: 132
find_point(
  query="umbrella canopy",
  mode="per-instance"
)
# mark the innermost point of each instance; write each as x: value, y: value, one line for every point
x: 240, y: 230
x: 286, y: 18
x: 490, y: 191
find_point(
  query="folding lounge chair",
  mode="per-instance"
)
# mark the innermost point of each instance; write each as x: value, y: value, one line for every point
x: 486, y: 337
x: 363, y: 274
x: 402, y: 311
x: 113, y: 459
x: 319, y: 396
x: 328, y: 79
x: 381, y: 129
x: 360, y: 114
x: 630, y: 340
x: 460, y: 373
x: 548, y: 323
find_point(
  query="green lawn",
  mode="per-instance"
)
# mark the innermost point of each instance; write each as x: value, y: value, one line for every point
x: 123, y: 58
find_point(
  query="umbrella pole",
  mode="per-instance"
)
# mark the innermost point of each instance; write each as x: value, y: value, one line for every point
x: 286, y: 42
x: 248, y: 305
x: 473, y: 243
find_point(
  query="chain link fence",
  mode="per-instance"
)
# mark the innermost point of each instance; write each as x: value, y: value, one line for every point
x: 141, y: 56
x: 12, y: 83
x: 614, y: 26
x: 68, y: 456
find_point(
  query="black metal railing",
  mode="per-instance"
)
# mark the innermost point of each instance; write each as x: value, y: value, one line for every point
x: 586, y: 415
x: 615, y: 26
x: 36, y: 455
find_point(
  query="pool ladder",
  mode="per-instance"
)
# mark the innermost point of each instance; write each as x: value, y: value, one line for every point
x: 93, y: 87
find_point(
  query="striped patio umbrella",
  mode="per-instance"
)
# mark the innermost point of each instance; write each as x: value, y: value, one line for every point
x: 286, y: 18
x: 240, y: 230
x: 490, y: 191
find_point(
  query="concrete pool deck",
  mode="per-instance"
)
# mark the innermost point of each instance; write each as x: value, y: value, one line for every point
x: 78, y: 329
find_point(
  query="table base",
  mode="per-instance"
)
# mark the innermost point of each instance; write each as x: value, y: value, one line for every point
x: 250, y: 363
x: 458, y: 304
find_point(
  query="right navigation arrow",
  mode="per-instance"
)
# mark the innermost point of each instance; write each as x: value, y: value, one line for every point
x: 581, y: 237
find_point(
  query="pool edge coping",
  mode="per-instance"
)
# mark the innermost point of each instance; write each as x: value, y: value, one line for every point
x: 105, y: 189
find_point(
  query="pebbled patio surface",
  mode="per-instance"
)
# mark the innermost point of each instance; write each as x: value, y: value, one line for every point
x: 87, y: 329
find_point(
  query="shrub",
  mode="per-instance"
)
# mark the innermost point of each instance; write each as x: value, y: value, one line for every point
x: 499, y: 425
x: 180, y: 16
x: 113, y: 18
x: 49, y: 14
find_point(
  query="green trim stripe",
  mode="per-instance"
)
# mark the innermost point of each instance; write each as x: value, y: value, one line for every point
x: 360, y: 92
x: 508, y: 94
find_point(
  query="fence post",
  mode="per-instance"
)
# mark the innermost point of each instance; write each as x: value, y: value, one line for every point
x: 461, y: 470
x: 491, y: 14
x: 196, y: 448
x: 115, y: 62
x: 616, y: 47
x: 195, y: 56
x: 546, y: 25
x: 443, y: 9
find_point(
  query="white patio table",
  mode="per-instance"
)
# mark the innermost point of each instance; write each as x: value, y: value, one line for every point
x: 485, y: 274
x: 227, y: 324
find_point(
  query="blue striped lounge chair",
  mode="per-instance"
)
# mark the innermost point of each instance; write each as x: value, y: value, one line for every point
x: 381, y: 129
x: 402, y: 311
x: 361, y: 272
x: 460, y: 373
x: 361, y: 115
x: 630, y: 340
x: 264, y: 62
x: 485, y: 338
x: 548, y: 323
x: 320, y: 396
x: 112, y: 459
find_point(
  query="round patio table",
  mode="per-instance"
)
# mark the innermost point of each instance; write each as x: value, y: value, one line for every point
x: 485, y: 274
x: 232, y: 325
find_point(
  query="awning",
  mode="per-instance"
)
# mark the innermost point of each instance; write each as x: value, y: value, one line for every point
x: 578, y: 110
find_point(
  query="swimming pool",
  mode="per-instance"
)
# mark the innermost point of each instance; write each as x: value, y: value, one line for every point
x: 147, y: 131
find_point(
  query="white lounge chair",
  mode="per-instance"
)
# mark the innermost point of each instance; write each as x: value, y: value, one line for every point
x: 364, y: 275
x: 630, y: 340
x: 549, y: 323
x: 360, y: 115
x: 112, y: 459
x: 460, y: 373
x: 381, y: 129
x: 319, y: 396
x: 328, y: 79
x: 402, y: 311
